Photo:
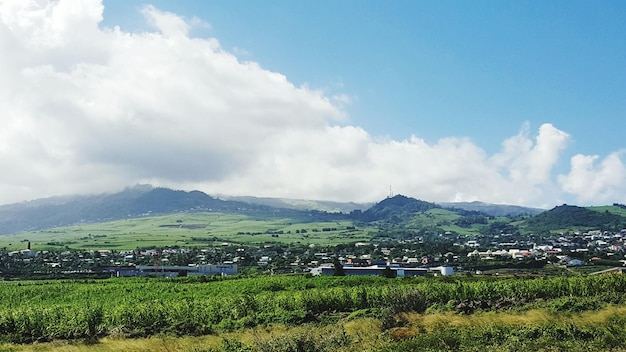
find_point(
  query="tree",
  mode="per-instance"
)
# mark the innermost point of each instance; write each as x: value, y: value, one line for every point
x: 389, y: 273
x: 338, y: 268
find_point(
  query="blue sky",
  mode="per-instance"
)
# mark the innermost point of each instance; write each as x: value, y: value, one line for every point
x: 512, y: 102
x: 436, y: 68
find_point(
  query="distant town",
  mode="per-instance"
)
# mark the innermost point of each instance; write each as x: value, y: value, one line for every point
x: 439, y: 255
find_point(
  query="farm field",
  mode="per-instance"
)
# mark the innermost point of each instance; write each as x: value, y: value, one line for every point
x: 618, y: 210
x: 444, y: 219
x: 189, y: 230
x: 280, y: 313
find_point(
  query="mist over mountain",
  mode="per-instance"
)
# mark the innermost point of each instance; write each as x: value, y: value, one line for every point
x: 493, y: 209
x: 300, y: 204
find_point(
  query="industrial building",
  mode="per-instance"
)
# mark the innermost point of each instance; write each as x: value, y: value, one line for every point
x: 176, y: 270
x: 379, y: 270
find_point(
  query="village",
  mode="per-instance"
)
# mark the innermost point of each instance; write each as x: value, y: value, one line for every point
x: 440, y: 254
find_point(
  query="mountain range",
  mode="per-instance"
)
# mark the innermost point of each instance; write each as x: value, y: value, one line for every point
x: 145, y: 200
x: 132, y: 202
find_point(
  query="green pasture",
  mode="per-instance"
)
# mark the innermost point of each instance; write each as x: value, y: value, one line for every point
x: 444, y: 220
x: 440, y: 218
x: 188, y: 230
x: 609, y: 208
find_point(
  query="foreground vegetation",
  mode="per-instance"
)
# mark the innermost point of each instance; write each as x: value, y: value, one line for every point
x: 299, y: 313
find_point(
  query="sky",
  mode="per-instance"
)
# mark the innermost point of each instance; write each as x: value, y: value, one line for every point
x: 508, y: 102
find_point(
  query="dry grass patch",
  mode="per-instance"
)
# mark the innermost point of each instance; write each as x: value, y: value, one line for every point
x: 153, y: 344
x: 426, y: 323
x: 362, y: 334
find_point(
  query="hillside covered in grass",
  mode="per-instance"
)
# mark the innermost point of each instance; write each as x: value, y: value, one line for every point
x: 574, y: 218
x: 191, y: 230
x: 149, y: 216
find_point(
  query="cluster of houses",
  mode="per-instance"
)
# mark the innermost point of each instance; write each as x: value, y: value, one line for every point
x: 536, y: 253
x: 568, y: 249
x: 406, y: 257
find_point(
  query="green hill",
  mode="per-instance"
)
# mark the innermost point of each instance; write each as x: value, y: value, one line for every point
x: 396, y: 208
x: 405, y: 215
x: 574, y: 218
x: 399, y: 215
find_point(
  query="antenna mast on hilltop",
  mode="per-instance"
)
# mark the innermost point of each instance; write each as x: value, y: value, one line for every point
x: 390, y: 192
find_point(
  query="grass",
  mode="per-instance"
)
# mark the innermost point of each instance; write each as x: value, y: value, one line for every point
x: 362, y: 334
x: 609, y: 208
x: 444, y: 220
x: 302, y: 313
x: 588, y: 269
x: 534, y: 330
x: 157, y: 344
x: 431, y: 322
x: 187, y: 230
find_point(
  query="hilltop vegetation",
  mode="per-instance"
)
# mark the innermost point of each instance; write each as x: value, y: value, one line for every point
x: 572, y: 218
x: 405, y: 214
x: 396, y: 207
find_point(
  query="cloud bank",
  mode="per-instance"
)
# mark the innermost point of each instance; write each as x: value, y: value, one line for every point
x: 87, y: 109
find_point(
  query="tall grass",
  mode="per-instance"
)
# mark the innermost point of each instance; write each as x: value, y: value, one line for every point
x: 43, y: 311
x: 494, y: 331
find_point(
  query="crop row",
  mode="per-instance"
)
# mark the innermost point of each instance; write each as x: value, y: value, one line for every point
x: 39, y: 311
x: 549, y: 336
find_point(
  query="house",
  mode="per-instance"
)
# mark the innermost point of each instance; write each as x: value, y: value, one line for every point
x: 575, y: 262
x: 265, y: 260
x: 472, y: 244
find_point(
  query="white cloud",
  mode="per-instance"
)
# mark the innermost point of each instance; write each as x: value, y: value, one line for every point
x: 167, y: 23
x: 198, y: 22
x: 529, y: 162
x: 596, y: 183
x: 87, y: 109
x: 346, y: 163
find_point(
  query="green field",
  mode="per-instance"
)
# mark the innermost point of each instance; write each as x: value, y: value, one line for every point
x: 444, y: 219
x: 188, y: 230
x: 280, y: 313
x: 610, y: 209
